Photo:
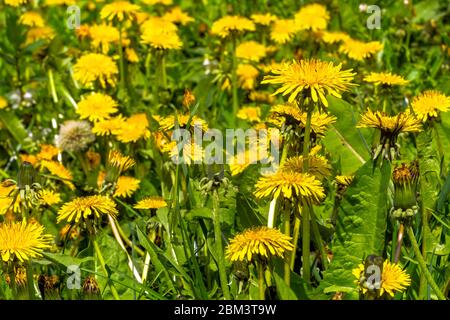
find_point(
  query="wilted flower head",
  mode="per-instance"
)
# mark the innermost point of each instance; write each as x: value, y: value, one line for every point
x: 75, y: 136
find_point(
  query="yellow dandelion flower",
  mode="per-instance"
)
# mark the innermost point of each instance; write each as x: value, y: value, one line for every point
x: 290, y: 114
x: 176, y: 15
x: 402, y: 122
x: 49, y: 197
x: 15, y: 3
x: 290, y: 184
x: 102, y: 36
x: 185, y: 153
x: 47, y: 152
x: 133, y: 128
x: 247, y: 75
x: 258, y: 243
x: 393, y: 279
x: 168, y: 123
x: 6, y: 199
x: 119, y: 161
x: 96, y: 107
x: 251, y: 114
x: 39, y: 33
x: 32, y: 19
x: 263, y: 19
x: 22, y: 241
x: 82, y: 31
x: 158, y: 24
x: 120, y: 10
x: 95, y: 66
x: 359, y: 50
x: 29, y: 158
x: 334, y: 36
x: 126, y: 186
x: 429, y: 103
x: 59, y: 2
x: 151, y: 203
x: 3, y: 103
x: 85, y: 207
x: 318, y: 77
x: 237, y: 166
x: 385, y: 78
x: 251, y: 50
x: 153, y: 2
x: 312, y: 17
x: 344, y: 180
x: 318, y: 166
x: 231, y: 24
x: 131, y: 55
x: 283, y: 30
x: 261, y: 96
x: 108, y: 126
x: 57, y: 169
x: 161, y: 39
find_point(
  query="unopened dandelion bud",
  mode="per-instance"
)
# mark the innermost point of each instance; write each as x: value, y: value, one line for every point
x: 26, y: 175
x: 91, y: 290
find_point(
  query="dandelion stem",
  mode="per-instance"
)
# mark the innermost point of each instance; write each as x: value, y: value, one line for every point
x: 103, y: 265
x: 261, y: 281
x: 30, y: 281
x: 423, y: 265
x: 398, y: 249
x: 51, y: 82
x: 318, y: 238
x: 219, y: 247
x: 234, y: 76
x: 287, y: 231
x: 295, y: 236
x: 306, y: 236
x: 121, y: 61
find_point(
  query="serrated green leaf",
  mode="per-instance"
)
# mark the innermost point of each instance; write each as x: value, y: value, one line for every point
x: 361, y: 227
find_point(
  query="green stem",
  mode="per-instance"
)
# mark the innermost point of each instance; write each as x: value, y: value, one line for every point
x: 234, y: 86
x: 261, y: 281
x: 318, y: 238
x: 51, y: 82
x: 163, y: 71
x: 219, y: 247
x: 128, y: 241
x: 121, y: 61
x: 287, y: 232
x: 30, y: 281
x: 306, y: 235
x: 423, y: 265
x: 103, y: 265
x: 295, y: 236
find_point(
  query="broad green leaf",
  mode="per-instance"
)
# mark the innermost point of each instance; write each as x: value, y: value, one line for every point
x: 343, y: 140
x: 360, y: 229
x: 65, y: 260
x: 15, y: 128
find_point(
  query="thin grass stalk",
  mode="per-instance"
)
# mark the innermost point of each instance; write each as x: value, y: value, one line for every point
x: 423, y: 265
x: 219, y: 247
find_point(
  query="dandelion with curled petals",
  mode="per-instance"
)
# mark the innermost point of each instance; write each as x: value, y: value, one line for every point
x: 23, y: 241
x: 318, y: 166
x: 119, y: 161
x: 428, y: 104
x: 393, y: 125
x: 261, y: 243
x: 317, y: 77
x: 87, y: 207
x: 302, y: 186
